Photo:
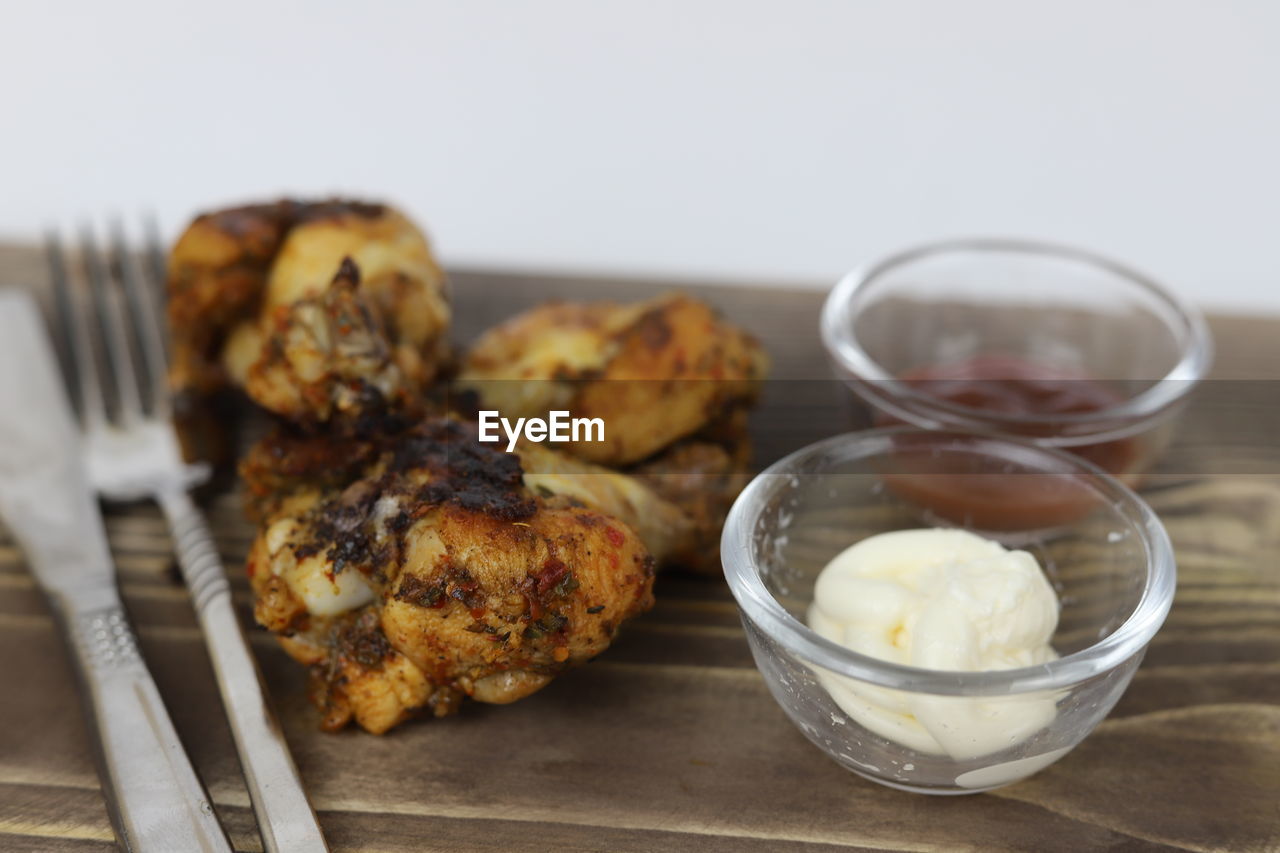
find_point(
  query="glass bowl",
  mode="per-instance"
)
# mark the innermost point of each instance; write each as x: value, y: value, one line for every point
x: 995, y: 308
x: 1112, y: 568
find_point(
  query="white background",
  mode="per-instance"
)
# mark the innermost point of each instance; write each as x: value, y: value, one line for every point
x: 774, y: 141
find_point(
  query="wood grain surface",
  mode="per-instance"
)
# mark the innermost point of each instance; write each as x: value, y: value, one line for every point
x: 670, y: 741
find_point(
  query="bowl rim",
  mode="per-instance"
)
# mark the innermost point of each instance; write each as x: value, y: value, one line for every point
x: 842, y: 346
x: 759, y: 606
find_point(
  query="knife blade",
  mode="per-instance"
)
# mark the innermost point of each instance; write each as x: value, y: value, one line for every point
x: 43, y: 490
x: 154, y: 797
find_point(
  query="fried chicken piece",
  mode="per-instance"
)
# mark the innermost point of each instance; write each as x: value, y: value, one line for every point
x: 672, y: 383
x: 285, y: 471
x: 655, y: 371
x: 675, y: 502
x: 380, y: 687
x: 701, y: 479
x: 217, y: 272
x: 433, y: 572
x: 327, y: 357
x: 287, y: 467
x: 242, y: 279
x: 666, y: 529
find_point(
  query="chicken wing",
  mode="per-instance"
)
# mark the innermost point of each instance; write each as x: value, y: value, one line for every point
x: 672, y: 383
x: 655, y: 371
x: 329, y: 357
x: 242, y: 279
x: 429, y: 570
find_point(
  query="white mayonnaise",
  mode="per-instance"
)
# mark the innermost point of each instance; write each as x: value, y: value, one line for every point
x: 939, y: 599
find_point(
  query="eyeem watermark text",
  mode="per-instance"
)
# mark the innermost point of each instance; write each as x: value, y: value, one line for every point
x: 558, y: 426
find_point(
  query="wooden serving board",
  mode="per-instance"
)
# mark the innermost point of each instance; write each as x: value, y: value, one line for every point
x: 670, y: 740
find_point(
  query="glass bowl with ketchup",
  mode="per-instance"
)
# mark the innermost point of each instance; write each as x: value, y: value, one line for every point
x: 1108, y: 575
x: 1055, y: 345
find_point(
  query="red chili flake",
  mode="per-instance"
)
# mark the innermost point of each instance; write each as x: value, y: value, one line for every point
x: 251, y: 568
x: 615, y: 536
x: 477, y: 612
x: 613, y: 560
x: 550, y: 575
x: 532, y: 602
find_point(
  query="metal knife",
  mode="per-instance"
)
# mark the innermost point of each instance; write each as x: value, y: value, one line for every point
x: 155, y: 799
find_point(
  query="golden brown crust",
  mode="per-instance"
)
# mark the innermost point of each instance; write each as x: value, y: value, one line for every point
x: 362, y: 677
x: 655, y: 372
x: 217, y: 271
x: 329, y: 358
x: 239, y: 279
x: 665, y: 528
x: 475, y: 585
x: 406, y: 564
x: 672, y: 383
x: 702, y: 479
x: 285, y: 462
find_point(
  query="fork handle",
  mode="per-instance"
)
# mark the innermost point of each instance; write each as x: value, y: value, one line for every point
x: 154, y: 797
x: 285, y: 817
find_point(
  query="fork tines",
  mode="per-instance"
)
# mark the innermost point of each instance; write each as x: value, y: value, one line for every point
x: 108, y: 319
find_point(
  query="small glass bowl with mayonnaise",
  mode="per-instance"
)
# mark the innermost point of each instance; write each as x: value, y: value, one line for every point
x: 935, y: 656
x: 1050, y: 343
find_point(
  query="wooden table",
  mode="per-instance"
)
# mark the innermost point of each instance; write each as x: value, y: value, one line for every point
x: 670, y: 740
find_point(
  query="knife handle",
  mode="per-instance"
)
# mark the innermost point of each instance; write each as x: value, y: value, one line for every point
x: 154, y: 797
x: 285, y: 817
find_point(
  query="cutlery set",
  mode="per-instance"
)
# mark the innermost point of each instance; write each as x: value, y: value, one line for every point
x: 119, y: 445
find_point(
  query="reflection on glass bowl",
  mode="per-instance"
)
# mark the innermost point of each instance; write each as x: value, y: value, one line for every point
x: 1029, y: 340
x: 1111, y: 566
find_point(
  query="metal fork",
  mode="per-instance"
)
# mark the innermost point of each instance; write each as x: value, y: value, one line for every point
x: 133, y: 453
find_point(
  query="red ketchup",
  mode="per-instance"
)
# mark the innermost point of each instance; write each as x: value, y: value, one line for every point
x: 958, y: 488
